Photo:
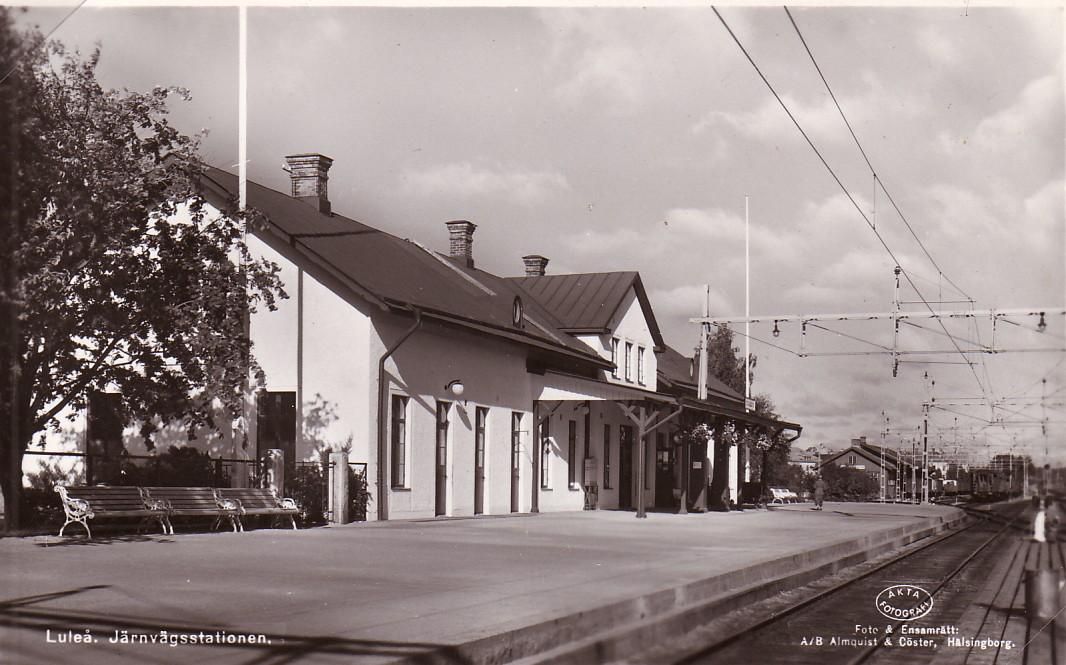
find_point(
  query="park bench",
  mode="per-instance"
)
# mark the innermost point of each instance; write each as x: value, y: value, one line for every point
x: 783, y: 495
x: 195, y: 502
x: 81, y: 504
x: 253, y: 501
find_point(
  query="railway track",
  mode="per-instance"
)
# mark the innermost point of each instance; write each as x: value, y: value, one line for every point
x: 837, y: 621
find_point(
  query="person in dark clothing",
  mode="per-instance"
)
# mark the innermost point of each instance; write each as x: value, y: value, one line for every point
x: 819, y: 493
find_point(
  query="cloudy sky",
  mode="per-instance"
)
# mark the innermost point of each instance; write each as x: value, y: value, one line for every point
x: 627, y: 138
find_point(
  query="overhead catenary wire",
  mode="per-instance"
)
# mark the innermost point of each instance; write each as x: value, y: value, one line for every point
x: 844, y: 189
x: 767, y: 343
x: 937, y: 332
x: 878, y: 182
x: 877, y: 179
x: 44, y: 40
x: 854, y: 337
x: 1037, y: 382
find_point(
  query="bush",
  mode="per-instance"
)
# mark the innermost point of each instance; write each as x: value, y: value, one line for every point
x: 309, y: 487
x: 41, y: 508
x: 846, y: 484
x: 177, y: 467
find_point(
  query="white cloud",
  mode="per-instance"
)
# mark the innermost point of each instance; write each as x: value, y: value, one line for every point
x: 686, y: 301
x: 1046, y: 205
x: 624, y: 57
x: 819, y: 117
x: 1017, y: 128
x: 467, y: 180
x: 937, y: 45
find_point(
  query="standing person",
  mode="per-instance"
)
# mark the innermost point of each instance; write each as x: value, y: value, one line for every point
x: 1039, y: 521
x: 819, y: 492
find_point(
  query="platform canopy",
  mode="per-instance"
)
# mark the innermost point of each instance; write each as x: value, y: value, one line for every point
x: 556, y: 386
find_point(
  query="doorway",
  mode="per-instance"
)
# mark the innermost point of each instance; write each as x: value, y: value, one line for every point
x: 664, y: 472
x: 625, y: 467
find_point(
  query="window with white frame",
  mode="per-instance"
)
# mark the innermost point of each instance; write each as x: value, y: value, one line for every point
x: 640, y: 365
x: 399, y: 441
x: 629, y: 361
x: 571, y: 452
x: 614, y: 357
x: 545, y: 455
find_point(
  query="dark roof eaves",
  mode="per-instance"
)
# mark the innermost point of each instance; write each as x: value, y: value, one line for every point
x: 383, y: 303
x: 505, y: 333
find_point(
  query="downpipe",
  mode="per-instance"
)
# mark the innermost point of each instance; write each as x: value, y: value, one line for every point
x: 383, y: 444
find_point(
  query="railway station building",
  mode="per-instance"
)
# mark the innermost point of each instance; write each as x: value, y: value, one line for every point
x: 464, y: 392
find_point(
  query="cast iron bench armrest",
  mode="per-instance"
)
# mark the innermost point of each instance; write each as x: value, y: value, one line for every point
x: 194, y: 502
x: 81, y: 504
x: 254, y: 501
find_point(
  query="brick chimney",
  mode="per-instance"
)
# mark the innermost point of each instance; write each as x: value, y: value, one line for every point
x: 461, y: 241
x: 535, y: 265
x: 309, y: 173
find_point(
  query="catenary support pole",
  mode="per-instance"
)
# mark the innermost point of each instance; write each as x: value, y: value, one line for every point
x: 925, y: 453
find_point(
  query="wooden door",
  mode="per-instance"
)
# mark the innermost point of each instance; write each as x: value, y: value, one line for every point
x: 664, y: 472
x: 625, y: 467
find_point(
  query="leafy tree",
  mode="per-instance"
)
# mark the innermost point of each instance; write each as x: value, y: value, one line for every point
x: 104, y: 287
x: 725, y: 362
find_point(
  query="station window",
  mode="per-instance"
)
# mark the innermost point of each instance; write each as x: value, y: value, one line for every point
x: 399, y: 441
x: 571, y: 460
x: 629, y: 361
x: 516, y: 444
x: 481, y: 416
x: 614, y: 357
x: 640, y: 365
x: 545, y: 455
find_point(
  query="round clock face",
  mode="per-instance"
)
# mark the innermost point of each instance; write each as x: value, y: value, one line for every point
x: 516, y: 312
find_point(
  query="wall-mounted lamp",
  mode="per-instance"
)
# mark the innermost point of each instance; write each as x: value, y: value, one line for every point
x: 456, y: 387
x: 1042, y: 325
x: 777, y: 333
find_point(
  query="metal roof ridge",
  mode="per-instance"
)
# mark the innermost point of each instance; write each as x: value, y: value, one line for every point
x: 451, y: 266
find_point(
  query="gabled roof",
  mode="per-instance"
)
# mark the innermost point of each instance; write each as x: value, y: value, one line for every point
x: 588, y: 302
x: 868, y: 452
x: 395, y: 273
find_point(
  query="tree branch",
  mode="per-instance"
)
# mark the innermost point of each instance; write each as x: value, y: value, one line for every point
x: 86, y: 377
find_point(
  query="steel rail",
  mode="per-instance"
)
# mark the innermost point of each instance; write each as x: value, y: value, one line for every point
x: 698, y: 655
x: 879, y: 644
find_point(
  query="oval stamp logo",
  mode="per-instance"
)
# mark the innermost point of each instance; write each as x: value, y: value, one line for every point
x: 904, y: 601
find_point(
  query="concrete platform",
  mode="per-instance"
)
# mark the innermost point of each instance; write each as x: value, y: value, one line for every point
x: 479, y: 590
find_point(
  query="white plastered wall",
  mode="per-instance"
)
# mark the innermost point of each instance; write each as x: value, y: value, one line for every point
x: 494, y: 376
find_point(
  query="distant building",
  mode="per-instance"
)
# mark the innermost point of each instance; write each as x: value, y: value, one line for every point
x: 867, y: 457
x: 807, y: 459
